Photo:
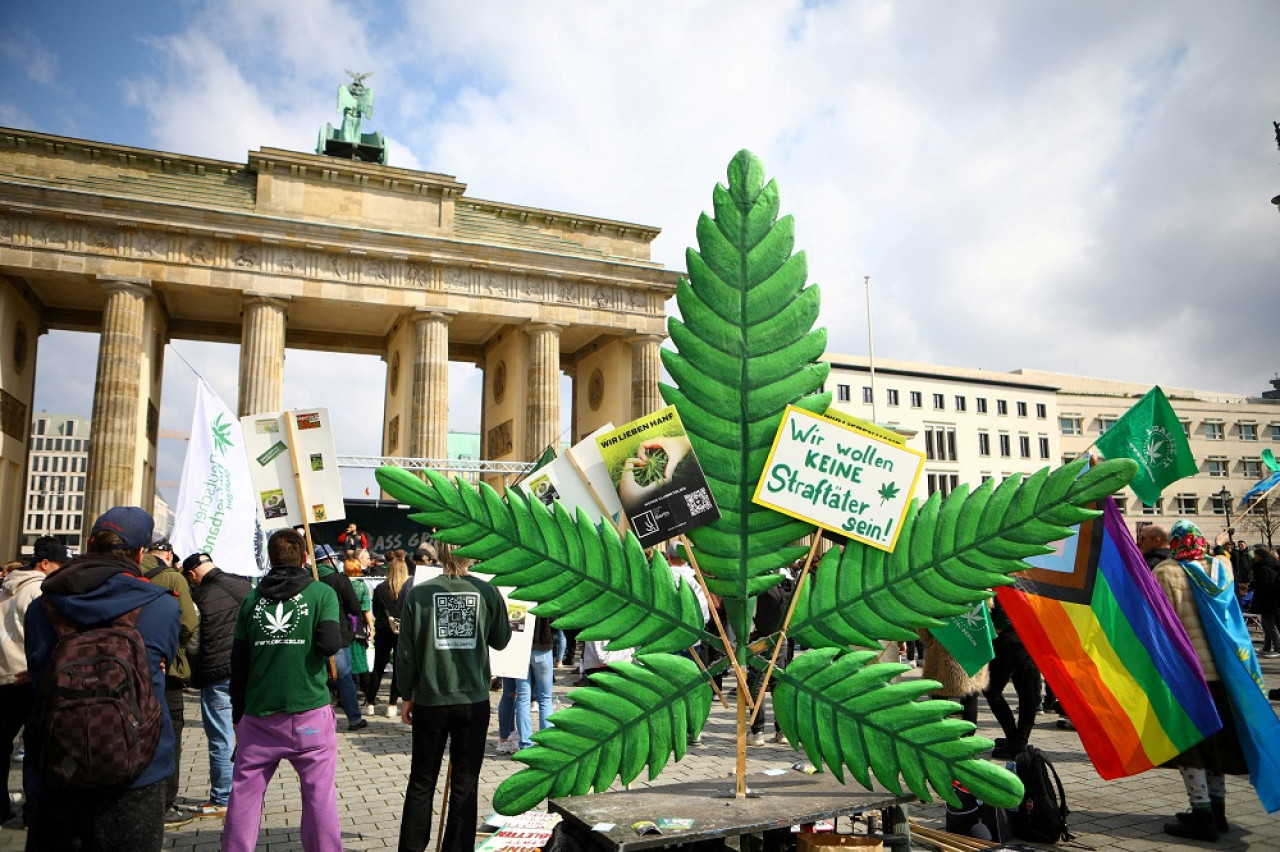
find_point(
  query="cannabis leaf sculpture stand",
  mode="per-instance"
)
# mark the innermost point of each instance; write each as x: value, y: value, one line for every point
x: 745, y: 349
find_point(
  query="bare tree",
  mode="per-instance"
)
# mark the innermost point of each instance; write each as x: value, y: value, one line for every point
x: 1263, y: 518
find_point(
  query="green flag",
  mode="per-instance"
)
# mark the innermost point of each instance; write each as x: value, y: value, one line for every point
x: 1150, y: 434
x: 967, y: 637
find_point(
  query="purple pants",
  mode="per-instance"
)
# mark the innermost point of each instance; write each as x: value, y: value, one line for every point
x: 307, y: 740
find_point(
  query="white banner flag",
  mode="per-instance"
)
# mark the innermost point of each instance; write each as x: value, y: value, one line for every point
x: 216, y: 512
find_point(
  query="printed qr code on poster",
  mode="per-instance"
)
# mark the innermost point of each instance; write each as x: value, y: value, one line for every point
x: 698, y: 501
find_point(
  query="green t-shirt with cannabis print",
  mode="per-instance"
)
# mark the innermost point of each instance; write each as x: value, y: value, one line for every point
x: 285, y: 674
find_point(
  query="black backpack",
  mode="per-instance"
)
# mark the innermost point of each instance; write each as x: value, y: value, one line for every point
x: 1042, y: 815
x: 97, y: 717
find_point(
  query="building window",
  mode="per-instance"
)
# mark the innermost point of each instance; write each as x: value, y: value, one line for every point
x: 1002, y: 407
x: 1071, y: 425
x: 1248, y: 431
x: 1214, y: 432
x: 1042, y: 411
x: 1186, y: 427
x: 939, y: 402
x: 980, y: 404
x: 866, y: 395
x: 1188, y: 504
x: 1217, y: 467
x: 960, y: 402
x: 1004, y: 446
x: 1022, y: 409
x: 1275, y: 431
x: 917, y: 399
x: 984, y: 444
x: 1044, y: 447
x: 1105, y: 423
x: 1157, y: 509
x: 1252, y: 468
x: 1122, y: 503
x: 842, y: 393
x: 1024, y: 446
x: 892, y: 396
x: 944, y: 482
x: 1217, y: 505
x: 939, y: 443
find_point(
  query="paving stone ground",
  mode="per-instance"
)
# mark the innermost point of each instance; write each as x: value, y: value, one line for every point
x: 374, y: 764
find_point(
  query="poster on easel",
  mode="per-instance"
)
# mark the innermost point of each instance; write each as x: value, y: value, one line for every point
x: 271, y: 468
x: 656, y: 474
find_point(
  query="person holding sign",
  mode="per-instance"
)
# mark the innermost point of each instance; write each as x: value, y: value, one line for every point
x: 447, y: 626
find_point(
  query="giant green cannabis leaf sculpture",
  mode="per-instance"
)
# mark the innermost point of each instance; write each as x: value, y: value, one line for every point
x: 745, y: 349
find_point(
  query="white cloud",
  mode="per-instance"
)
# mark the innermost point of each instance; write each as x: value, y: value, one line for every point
x: 1057, y: 186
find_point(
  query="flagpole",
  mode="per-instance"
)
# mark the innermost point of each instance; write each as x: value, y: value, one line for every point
x: 871, y: 350
x: 291, y: 427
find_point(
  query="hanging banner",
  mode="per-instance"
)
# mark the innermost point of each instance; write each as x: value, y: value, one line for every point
x: 657, y: 477
x: 839, y: 477
x: 275, y: 491
x: 215, y: 513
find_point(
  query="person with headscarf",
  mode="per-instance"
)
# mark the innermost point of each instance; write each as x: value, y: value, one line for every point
x: 1204, y: 765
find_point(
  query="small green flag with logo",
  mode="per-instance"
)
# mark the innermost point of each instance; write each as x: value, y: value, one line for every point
x: 967, y: 637
x: 1150, y: 434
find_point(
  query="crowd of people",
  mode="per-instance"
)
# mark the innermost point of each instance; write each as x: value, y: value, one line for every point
x: 272, y: 658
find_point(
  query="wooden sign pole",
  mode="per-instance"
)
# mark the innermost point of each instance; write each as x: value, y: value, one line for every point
x: 292, y: 429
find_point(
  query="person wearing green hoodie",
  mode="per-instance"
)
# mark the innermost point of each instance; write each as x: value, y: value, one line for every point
x: 447, y: 626
x: 157, y: 567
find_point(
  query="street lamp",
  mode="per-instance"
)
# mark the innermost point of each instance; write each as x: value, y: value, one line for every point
x: 1225, y: 496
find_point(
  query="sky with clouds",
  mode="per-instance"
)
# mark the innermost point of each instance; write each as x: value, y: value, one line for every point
x: 1080, y: 186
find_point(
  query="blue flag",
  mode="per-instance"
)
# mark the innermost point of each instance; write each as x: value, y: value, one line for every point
x: 1257, y: 727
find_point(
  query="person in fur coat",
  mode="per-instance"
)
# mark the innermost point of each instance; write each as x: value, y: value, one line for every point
x: 957, y: 684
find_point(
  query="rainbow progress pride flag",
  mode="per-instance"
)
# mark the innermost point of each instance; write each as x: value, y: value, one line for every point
x: 1109, y: 644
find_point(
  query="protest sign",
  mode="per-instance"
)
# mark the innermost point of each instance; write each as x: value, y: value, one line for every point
x: 839, y: 477
x: 266, y: 439
x: 578, y: 480
x: 513, y: 660
x: 657, y: 477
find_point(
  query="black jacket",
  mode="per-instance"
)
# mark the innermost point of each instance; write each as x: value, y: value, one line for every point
x: 1157, y: 556
x: 1266, y: 585
x: 348, y: 603
x: 218, y: 598
x: 385, y: 605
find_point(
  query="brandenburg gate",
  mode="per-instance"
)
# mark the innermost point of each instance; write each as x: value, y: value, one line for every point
x: 311, y: 252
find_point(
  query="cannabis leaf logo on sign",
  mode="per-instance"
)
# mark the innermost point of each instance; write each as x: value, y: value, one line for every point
x: 888, y: 491
x: 221, y: 434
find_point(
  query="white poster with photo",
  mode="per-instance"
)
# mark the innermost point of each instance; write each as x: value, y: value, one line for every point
x: 578, y: 479
x: 513, y: 660
x: 266, y: 439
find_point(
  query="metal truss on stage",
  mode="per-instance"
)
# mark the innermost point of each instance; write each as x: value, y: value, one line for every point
x: 471, y: 469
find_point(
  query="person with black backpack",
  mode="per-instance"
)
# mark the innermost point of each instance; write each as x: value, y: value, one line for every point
x: 99, y: 741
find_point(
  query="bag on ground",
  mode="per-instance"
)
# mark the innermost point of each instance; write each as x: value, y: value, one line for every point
x: 99, y: 722
x: 1042, y: 815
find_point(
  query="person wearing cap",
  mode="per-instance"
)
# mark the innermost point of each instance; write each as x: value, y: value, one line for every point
x: 157, y: 566
x: 217, y: 596
x: 286, y: 629
x: 98, y: 586
x: 329, y: 573
x: 20, y: 588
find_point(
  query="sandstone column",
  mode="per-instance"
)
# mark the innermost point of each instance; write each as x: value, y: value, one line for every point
x: 646, y: 367
x: 117, y: 400
x: 542, y: 420
x: 262, y: 355
x: 429, y: 405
